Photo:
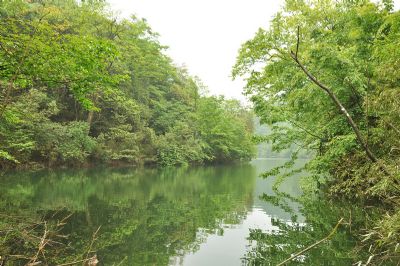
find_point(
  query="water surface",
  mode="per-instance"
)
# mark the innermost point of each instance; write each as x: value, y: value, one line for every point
x: 215, y: 215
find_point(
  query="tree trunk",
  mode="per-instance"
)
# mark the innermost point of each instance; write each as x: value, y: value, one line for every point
x: 90, y: 116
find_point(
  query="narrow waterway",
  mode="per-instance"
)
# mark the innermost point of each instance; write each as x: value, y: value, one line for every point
x: 215, y: 215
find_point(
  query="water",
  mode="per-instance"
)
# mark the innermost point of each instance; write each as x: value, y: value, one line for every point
x: 216, y: 215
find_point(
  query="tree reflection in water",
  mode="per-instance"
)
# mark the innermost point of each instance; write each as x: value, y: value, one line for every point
x: 146, y: 216
x: 174, y: 216
x: 320, y: 217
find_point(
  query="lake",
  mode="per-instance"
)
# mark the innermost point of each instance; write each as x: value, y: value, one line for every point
x: 202, y: 215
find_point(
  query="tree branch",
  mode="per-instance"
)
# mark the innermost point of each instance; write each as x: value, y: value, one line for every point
x: 298, y: 40
x: 337, y: 102
x: 304, y: 129
x: 313, y: 245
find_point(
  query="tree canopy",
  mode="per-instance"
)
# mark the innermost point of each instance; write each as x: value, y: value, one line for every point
x: 79, y: 85
x: 325, y: 76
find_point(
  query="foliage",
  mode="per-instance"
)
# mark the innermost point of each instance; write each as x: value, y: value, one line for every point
x: 348, y: 46
x: 78, y: 86
x: 222, y: 125
x: 180, y: 145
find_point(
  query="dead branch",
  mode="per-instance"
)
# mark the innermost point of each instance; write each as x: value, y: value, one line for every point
x: 42, y: 244
x: 94, y: 238
x: 313, y: 245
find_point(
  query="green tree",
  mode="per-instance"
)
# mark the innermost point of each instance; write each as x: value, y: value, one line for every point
x: 223, y: 130
x: 318, y: 77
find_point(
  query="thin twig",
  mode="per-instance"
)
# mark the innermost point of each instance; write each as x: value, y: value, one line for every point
x: 42, y: 244
x: 304, y: 129
x: 92, y: 242
x: 122, y: 261
x: 313, y: 245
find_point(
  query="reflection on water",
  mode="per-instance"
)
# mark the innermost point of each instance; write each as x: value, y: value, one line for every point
x: 220, y: 215
x: 230, y: 248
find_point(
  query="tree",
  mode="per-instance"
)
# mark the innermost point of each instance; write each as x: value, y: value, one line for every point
x: 223, y: 130
x: 316, y: 76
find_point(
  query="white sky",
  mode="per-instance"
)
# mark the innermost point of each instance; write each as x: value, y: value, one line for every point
x: 205, y: 35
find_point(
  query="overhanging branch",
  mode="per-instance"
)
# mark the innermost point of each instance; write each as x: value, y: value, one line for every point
x: 343, y: 110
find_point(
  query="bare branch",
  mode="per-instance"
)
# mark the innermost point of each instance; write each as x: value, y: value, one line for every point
x: 94, y: 238
x: 313, y: 245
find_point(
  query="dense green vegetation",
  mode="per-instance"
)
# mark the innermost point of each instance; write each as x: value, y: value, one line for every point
x: 325, y: 76
x: 78, y: 86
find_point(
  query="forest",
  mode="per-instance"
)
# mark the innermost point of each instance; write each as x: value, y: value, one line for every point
x: 81, y: 88
x: 78, y: 86
x: 326, y: 76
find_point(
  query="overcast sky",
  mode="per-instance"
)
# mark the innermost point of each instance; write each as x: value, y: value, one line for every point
x: 205, y: 35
